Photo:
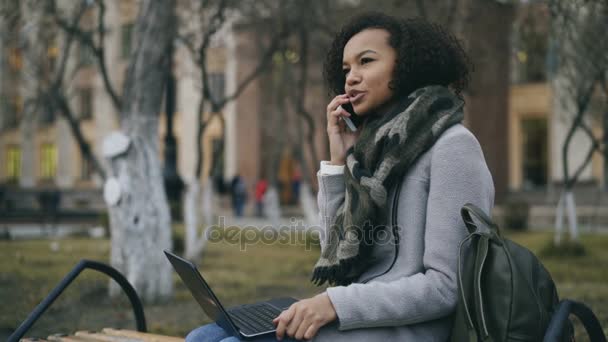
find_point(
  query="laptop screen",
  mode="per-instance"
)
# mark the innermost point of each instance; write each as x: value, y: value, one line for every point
x: 200, y: 290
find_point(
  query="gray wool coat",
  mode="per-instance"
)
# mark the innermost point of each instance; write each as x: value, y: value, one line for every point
x: 415, y: 298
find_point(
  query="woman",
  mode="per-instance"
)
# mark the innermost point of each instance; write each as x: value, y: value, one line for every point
x: 390, y: 196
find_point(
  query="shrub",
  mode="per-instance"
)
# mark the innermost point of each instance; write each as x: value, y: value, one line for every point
x: 516, y: 215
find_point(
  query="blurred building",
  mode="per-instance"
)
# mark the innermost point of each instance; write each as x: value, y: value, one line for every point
x: 46, y: 157
x: 536, y: 135
x: 508, y: 108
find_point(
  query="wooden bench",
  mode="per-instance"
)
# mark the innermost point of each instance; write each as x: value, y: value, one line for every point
x: 108, y: 335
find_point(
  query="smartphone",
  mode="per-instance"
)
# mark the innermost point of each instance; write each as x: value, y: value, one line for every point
x: 354, y: 120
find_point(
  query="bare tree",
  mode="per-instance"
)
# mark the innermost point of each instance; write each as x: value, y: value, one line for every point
x: 139, y: 216
x: 310, y: 24
x: 578, y: 34
x: 214, y: 17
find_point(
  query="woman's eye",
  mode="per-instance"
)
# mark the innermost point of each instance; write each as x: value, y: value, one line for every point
x: 366, y: 60
x: 345, y: 71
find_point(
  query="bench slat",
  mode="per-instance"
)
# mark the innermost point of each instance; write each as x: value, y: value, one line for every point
x: 101, y: 337
x: 145, y: 337
x: 63, y: 338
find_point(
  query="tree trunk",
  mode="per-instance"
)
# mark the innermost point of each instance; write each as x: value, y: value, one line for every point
x: 139, y: 214
x: 208, y: 198
x: 272, y: 207
x: 559, y: 221
x: 605, y: 144
x: 572, y: 218
x: 308, y: 203
x: 566, y: 206
x: 198, y: 200
x: 195, y: 242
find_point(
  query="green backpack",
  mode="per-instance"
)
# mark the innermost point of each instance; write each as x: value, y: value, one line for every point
x: 505, y: 293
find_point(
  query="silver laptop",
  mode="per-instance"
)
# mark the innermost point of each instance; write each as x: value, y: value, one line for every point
x: 247, y: 320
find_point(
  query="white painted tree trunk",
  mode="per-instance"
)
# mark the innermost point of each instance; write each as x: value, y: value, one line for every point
x: 566, y: 206
x: 208, y: 203
x: 572, y: 218
x: 140, y: 222
x: 198, y: 214
x: 309, y: 205
x: 140, y: 219
x: 272, y: 206
x: 191, y: 216
x: 559, y: 220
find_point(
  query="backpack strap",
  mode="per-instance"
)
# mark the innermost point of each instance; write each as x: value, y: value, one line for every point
x: 555, y: 331
x: 470, y: 211
x: 480, y: 258
x: 482, y: 244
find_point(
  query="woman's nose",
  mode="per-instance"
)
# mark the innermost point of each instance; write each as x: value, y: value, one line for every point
x: 353, y: 77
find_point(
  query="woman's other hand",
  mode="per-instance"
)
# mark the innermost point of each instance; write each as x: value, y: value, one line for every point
x: 340, y: 137
x: 304, y: 318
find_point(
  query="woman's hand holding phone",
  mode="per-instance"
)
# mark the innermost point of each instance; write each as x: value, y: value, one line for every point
x: 341, y: 138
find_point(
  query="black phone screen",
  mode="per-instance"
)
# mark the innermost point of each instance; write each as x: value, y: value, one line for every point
x: 356, y: 119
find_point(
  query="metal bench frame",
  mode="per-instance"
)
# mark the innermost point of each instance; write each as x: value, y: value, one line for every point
x: 140, y: 319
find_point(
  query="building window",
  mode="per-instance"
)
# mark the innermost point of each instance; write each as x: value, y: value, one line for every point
x: 534, y: 132
x: 13, y: 163
x: 126, y: 33
x: 217, y: 86
x: 48, y: 161
x: 86, y: 103
x: 12, y: 109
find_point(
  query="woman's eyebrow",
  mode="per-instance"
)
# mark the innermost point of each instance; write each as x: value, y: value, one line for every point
x: 362, y: 53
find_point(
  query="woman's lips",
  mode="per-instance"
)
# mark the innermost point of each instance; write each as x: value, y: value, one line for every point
x: 356, y: 98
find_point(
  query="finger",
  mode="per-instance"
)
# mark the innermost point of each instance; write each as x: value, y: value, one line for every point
x: 333, y: 106
x: 311, y: 332
x: 294, y: 324
x: 283, y: 320
x: 336, y: 101
x: 334, y: 117
x: 302, y: 329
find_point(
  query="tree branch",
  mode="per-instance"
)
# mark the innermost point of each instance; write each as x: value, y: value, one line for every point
x: 101, y: 59
x: 56, y: 83
x: 86, y: 39
x: 85, y: 148
x: 582, y: 104
x: 264, y: 62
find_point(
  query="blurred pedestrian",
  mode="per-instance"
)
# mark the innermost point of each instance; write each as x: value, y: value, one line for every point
x: 238, y: 190
x: 260, y: 190
x: 296, y: 180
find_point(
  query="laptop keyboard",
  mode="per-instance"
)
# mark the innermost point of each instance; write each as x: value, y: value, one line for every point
x: 254, y: 318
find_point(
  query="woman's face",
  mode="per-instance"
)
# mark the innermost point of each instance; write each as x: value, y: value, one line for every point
x: 368, y: 63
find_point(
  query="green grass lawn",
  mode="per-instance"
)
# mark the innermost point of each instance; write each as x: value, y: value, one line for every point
x: 30, y: 269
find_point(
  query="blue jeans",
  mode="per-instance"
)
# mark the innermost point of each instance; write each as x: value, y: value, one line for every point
x: 214, y: 333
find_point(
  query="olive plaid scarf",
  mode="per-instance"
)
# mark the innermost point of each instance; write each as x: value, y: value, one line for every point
x: 386, y: 148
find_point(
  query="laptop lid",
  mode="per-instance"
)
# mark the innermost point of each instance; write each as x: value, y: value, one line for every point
x: 202, y: 292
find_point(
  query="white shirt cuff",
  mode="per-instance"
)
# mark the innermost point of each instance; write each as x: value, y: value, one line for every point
x: 329, y: 169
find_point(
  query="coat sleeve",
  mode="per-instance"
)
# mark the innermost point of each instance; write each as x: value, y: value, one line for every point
x: 458, y: 174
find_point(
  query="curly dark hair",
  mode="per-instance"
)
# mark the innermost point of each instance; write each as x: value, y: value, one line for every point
x: 426, y: 54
